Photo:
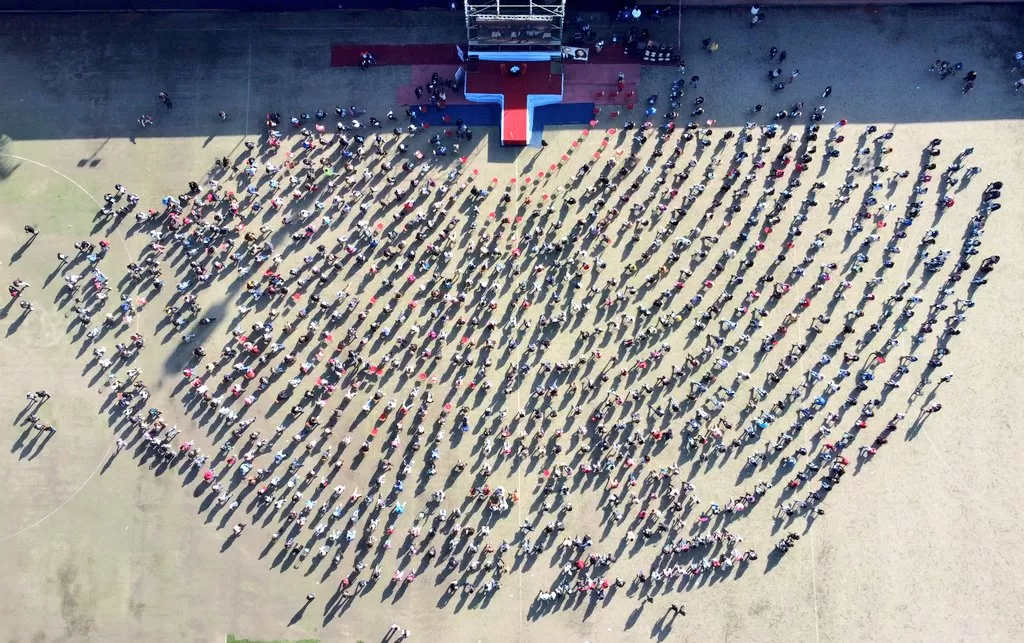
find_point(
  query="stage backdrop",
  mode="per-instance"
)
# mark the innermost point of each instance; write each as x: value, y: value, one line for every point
x: 504, y: 32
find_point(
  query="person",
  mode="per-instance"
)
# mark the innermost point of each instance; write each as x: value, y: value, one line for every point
x: 223, y: 115
x: 755, y: 15
x: 32, y: 230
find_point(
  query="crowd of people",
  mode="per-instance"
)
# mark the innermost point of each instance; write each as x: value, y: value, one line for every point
x: 597, y: 334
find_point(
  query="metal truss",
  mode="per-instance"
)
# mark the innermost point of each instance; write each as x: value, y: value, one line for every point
x: 515, y: 9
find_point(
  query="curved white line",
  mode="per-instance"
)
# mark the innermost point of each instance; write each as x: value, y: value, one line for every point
x: 61, y: 505
x: 57, y: 172
x: 138, y: 323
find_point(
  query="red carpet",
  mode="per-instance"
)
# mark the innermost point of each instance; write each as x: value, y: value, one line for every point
x: 419, y: 76
x: 597, y: 83
x: 350, y: 55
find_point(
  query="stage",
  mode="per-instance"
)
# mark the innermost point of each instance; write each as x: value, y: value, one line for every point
x: 594, y: 84
x: 589, y: 92
x: 538, y: 83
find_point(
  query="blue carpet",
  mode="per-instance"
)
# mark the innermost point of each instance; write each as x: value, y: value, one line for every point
x: 489, y: 115
x: 559, y: 114
x: 479, y: 115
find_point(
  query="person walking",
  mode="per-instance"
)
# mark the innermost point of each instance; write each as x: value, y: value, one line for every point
x: 755, y: 15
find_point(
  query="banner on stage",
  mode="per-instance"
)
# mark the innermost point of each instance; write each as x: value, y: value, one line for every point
x: 579, y: 54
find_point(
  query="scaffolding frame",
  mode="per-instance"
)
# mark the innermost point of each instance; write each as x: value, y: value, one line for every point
x: 510, y: 10
x: 479, y: 14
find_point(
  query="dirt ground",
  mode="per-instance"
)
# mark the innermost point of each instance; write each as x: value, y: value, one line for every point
x: 105, y: 546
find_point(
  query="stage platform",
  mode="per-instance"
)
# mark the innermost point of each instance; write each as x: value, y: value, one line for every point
x: 491, y: 81
x: 581, y: 84
x: 588, y: 92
